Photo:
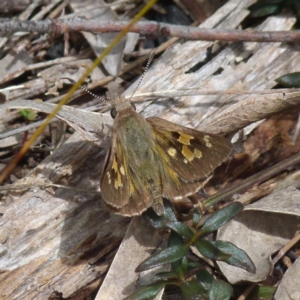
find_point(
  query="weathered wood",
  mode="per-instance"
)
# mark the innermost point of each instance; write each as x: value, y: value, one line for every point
x: 49, y: 236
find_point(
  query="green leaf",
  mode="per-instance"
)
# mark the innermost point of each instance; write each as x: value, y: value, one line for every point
x: 192, y: 290
x: 239, y: 258
x: 194, y: 265
x: 197, y: 215
x: 266, y: 292
x: 160, y: 222
x: 289, y: 80
x: 220, y: 290
x: 166, y: 256
x: 182, y: 269
x: 181, y: 229
x: 210, y: 251
x: 205, y: 279
x: 221, y: 217
x: 264, y: 10
x: 169, y: 211
x: 262, y: 292
x: 264, y: 2
x: 29, y: 114
x: 296, y: 6
x: 165, y: 276
x: 146, y: 292
x: 175, y: 240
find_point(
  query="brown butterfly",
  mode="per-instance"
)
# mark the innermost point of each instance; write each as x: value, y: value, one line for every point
x: 153, y: 158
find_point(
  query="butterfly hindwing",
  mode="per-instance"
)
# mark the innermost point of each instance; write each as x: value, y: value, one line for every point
x: 138, y: 202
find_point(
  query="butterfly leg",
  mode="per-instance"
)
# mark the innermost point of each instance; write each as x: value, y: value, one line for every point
x: 158, y: 206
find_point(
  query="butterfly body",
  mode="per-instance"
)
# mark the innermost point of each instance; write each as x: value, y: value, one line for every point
x: 154, y: 158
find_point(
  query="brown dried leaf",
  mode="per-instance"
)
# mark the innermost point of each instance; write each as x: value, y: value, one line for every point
x: 260, y: 230
x: 140, y: 241
x: 88, y: 124
x: 288, y: 288
x: 99, y: 10
x: 14, y: 64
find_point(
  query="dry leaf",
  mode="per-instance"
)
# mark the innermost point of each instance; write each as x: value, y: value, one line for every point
x: 288, y: 289
x: 99, y: 11
x: 88, y: 124
x: 260, y: 230
x: 140, y: 241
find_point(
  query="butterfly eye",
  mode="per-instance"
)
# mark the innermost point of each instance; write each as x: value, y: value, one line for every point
x: 113, y: 112
x: 133, y: 106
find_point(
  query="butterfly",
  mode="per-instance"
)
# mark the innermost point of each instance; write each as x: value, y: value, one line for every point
x: 151, y: 158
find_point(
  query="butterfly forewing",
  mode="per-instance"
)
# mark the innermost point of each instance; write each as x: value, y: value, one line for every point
x: 115, y: 185
x: 130, y: 182
x: 191, y: 154
x: 120, y: 186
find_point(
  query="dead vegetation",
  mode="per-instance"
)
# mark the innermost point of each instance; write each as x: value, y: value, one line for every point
x: 58, y: 239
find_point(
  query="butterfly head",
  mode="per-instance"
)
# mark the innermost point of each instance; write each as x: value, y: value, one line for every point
x: 120, y: 104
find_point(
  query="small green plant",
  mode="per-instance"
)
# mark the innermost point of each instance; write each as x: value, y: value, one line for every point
x: 28, y: 114
x: 191, y: 277
x: 264, y: 8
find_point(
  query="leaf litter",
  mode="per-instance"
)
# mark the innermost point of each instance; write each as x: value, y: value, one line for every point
x: 218, y: 114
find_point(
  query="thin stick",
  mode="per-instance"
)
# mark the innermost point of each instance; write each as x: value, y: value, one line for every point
x: 256, y: 178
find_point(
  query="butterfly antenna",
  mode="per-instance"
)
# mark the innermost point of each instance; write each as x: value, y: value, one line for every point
x: 86, y: 90
x: 152, y: 53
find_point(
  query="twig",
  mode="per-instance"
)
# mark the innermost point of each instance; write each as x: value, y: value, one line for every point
x: 196, y: 92
x: 60, y: 26
x: 286, y: 248
x: 43, y: 185
x: 257, y: 178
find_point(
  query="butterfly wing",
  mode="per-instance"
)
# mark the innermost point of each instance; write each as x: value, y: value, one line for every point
x: 190, y: 155
x: 121, y: 188
x: 184, y: 158
x: 138, y: 203
x: 114, y: 180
